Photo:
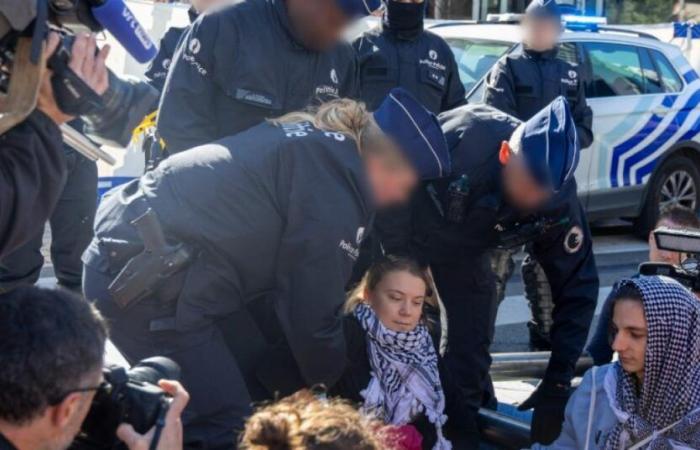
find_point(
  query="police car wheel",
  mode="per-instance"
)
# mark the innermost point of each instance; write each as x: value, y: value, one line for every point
x: 677, y: 182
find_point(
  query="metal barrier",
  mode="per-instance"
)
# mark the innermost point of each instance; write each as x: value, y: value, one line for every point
x: 515, y: 366
x: 503, y: 431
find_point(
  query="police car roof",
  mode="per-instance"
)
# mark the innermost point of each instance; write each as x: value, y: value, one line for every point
x: 511, y: 33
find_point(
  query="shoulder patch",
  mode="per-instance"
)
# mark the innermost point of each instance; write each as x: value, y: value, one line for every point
x: 573, y: 241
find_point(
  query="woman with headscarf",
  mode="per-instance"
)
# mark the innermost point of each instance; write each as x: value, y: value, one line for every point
x: 650, y: 398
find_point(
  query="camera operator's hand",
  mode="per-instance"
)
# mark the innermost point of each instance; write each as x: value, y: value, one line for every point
x: 171, y: 436
x: 87, y: 65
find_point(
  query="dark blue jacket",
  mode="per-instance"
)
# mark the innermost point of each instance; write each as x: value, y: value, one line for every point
x: 474, y: 134
x: 274, y: 211
x: 241, y: 64
x: 158, y: 69
x: 422, y: 63
x: 523, y: 83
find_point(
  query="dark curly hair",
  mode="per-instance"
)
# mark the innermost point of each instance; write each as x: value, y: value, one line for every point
x: 49, y: 341
x: 304, y: 422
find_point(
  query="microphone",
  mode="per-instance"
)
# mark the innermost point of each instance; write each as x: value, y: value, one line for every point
x: 116, y: 17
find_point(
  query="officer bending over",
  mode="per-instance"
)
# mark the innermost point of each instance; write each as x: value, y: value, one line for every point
x: 273, y: 213
x: 401, y: 53
x: 521, y: 84
x: 253, y: 60
x: 511, y: 183
x: 158, y: 69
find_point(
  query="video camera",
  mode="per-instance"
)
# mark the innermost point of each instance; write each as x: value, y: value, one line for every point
x: 683, y: 241
x: 24, y: 26
x: 132, y: 397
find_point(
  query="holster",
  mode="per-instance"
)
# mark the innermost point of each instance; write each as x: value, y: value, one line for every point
x: 144, y: 274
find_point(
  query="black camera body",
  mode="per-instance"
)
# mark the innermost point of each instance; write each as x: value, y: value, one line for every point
x: 683, y: 241
x: 132, y: 397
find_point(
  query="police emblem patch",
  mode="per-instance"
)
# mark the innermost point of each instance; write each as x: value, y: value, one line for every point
x: 432, y: 54
x: 334, y: 76
x: 573, y: 241
x: 166, y: 64
x: 360, y: 235
x: 572, y: 74
x: 195, y: 46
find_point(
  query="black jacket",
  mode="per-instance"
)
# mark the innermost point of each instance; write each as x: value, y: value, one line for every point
x: 32, y: 176
x: 358, y: 374
x: 241, y: 64
x: 422, y: 63
x: 273, y: 211
x: 158, y: 69
x: 5, y: 444
x: 522, y: 84
x: 564, y: 249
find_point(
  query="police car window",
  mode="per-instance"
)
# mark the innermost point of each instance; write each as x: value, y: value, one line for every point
x: 475, y: 58
x: 652, y: 80
x: 616, y: 70
x: 669, y: 77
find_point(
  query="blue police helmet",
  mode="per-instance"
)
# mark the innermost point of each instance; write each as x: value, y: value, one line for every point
x: 544, y: 9
x: 359, y: 8
x: 550, y: 145
x: 416, y: 131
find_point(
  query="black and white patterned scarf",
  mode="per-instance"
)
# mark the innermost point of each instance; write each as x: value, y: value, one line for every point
x: 670, y: 392
x: 405, y: 378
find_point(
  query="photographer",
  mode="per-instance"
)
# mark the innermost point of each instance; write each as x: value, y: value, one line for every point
x: 675, y: 217
x: 51, y: 355
x: 32, y: 155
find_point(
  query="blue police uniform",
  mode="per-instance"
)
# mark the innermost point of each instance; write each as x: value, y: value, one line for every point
x: 158, y: 69
x: 241, y: 64
x: 402, y: 53
x: 523, y: 83
x: 458, y: 253
x: 272, y: 216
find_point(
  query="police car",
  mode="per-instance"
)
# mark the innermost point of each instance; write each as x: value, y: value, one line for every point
x: 646, y: 121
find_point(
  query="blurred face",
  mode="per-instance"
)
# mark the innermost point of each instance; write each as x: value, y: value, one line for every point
x: 540, y: 34
x: 630, y: 335
x: 521, y: 190
x: 391, y: 179
x: 398, y: 300
x: 202, y: 5
x: 318, y: 23
x: 664, y: 256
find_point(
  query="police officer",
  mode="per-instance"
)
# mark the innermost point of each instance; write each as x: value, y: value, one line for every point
x: 401, y: 53
x: 158, y: 69
x: 522, y: 84
x: 511, y: 182
x: 276, y: 212
x: 253, y: 60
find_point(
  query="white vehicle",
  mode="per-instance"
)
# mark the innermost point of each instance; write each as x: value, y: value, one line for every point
x: 646, y: 116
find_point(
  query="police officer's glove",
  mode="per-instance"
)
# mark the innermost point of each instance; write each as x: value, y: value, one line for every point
x: 549, y: 402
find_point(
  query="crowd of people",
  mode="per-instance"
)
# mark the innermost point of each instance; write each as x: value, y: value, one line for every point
x: 328, y: 223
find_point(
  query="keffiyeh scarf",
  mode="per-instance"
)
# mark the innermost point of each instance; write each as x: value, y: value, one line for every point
x: 405, y: 378
x: 670, y: 392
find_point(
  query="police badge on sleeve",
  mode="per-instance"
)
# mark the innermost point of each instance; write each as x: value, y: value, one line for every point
x: 573, y: 241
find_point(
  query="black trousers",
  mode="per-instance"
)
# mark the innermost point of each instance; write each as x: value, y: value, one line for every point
x: 219, y: 401
x: 71, y: 231
x: 468, y: 291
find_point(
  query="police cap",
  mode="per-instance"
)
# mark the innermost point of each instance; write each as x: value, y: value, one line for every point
x: 416, y: 131
x: 550, y: 145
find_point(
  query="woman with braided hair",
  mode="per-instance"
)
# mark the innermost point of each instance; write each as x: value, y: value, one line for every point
x: 650, y: 398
